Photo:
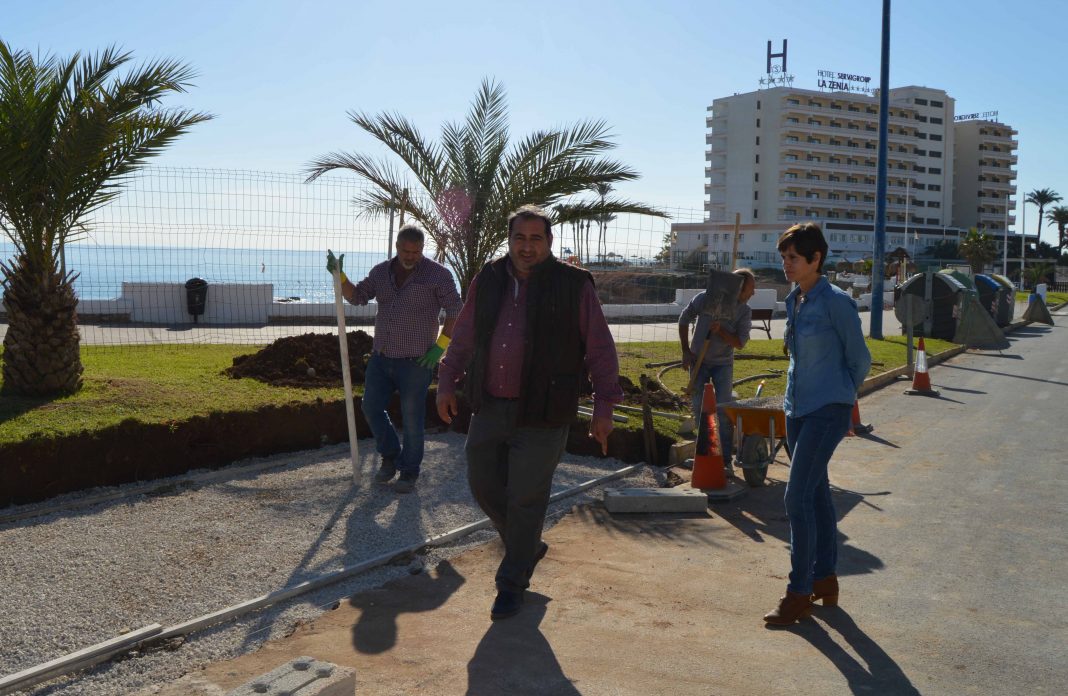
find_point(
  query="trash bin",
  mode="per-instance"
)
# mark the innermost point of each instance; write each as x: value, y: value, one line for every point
x: 942, y: 293
x: 990, y: 292
x: 1007, y: 306
x: 196, y: 296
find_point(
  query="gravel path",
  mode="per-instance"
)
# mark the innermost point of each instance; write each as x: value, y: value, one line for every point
x: 74, y: 578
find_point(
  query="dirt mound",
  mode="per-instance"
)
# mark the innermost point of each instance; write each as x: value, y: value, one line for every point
x: 310, y: 360
x: 659, y: 399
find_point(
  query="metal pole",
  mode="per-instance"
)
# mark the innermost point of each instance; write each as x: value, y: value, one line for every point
x: 737, y: 232
x: 879, y: 257
x: 1023, y: 241
x: 1005, y: 246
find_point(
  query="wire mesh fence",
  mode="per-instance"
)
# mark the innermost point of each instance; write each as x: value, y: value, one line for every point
x: 259, y: 241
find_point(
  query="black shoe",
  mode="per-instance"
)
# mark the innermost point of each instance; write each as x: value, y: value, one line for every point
x: 507, y: 604
x: 387, y: 471
x: 542, y: 550
x: 406, y: 482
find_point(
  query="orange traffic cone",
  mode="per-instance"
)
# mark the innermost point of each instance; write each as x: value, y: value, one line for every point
x: 921, y: 381
x: 708, y: 471
x: 856, y: 426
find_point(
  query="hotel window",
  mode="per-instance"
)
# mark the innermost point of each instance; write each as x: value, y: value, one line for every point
x: 758, y: 158
x: 917, y: 151
x: 935, y: 153
x: 814, y: 122
x: 935, y: 136
x: 756, y: 195
x: 832, y: 214
x: 936, y: 104
x: 852, y: 198
x: 852, y: 162
x: 811, y: 212
x: 932, y: 221
x: 921, y: 118
x: 833, y: 196
x: 758, y: 139
x: 852, y: 180
x: 756, y: 176
x: 853, y: 126
x: 812, y: 195
x: 835, y: 124
x: 816, y: 141
x: 921, y: 102
x: 922, y: 136
x: 790, y: 211
x: 870, y: 182
x: 869, y: 199
x: 789, y: 194
x: 793, y: 102
x: 851, y: 216
x: 833, y: 177
x: 834, y: 141
x: 870, y: 111
x: 789, y: 158
x: 814, y: 103
x: 869, y: 146
x: 814, y: 158
x: 758, y: 123
x: 934, y: 170
x: 934, y: 204
x: 853, y: 108
x: 812, y: 177
x: 936, y: 119
x: 934, y: 187
x: 834, y: 160
x: 792, y: 120
x: 758, y: 103
x: 754, y: 212
x: 789, y: 175
x: 789, y: 139
x: 836, y: 107
x: 765, y: 237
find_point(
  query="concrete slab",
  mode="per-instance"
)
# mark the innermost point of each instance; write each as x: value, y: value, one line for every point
x: 304, y: 676
x: 646, y: 500
x: 732, y: 491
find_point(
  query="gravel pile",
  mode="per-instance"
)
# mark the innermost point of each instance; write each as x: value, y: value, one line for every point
x: 74, y: 578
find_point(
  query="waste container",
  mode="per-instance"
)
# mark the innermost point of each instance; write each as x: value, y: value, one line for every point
x: 1007, y: 305
x: 196, y: 296
x: 990, y: 292
x: 961, y: 278
x: 942, y: 293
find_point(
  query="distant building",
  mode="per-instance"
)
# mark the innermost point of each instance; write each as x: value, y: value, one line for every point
x: 783, y: 155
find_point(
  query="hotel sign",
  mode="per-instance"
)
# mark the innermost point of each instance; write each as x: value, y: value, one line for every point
x: 776, y: 75
x: 985, y: 115
x: 844, y: 82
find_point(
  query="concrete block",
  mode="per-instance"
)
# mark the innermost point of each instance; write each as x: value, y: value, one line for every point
x: 304, y: 676
x: 681, y: 451
x: 677, y: 499
x: 732, y: 491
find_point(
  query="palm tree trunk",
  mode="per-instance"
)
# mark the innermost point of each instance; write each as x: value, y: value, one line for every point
x: 41, y: 348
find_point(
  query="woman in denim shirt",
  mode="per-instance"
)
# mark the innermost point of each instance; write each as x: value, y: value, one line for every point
x: 828, y: 362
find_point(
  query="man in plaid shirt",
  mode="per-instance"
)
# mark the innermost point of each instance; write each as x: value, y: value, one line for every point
x: 411, y: 291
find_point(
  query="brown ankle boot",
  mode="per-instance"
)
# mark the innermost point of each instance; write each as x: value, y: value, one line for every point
x: 792, y: 607
x: 827, y: 590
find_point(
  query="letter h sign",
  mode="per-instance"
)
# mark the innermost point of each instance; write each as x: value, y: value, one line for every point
x: 777, y: 55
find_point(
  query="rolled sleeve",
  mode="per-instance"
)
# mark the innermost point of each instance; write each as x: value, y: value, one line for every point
x: 693, y: 308
x: 365, y: 290
x: 846, y: 322
x: 601, y: 359
x: 448, y: 298
x: 461, y: 347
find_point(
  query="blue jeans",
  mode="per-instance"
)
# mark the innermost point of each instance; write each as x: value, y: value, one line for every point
x: 813, y: 523
x: 404, y: 375
x: 722, y: 377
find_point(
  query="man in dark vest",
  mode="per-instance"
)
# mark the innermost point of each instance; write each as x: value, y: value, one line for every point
x: 528, y: 337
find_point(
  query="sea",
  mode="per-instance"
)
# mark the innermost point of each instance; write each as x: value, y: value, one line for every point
x: 296, y: 275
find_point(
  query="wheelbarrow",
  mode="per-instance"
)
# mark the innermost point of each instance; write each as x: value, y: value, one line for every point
x: 759, y: 432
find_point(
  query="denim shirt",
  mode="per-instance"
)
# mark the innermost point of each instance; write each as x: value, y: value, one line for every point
x: 828, y: 357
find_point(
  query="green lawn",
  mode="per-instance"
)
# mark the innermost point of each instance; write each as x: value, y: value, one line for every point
x: 165, y: 384
x: 1052, y: 298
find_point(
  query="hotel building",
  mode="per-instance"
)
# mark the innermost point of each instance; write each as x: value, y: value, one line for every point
x: 781, y: 155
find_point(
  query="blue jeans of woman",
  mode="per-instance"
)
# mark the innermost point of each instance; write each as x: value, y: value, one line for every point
x: 722, y: 377
x: 411, y: 380
x: 813, y: 522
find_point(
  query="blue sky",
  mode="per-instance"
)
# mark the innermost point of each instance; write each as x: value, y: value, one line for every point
x: 280, y: 76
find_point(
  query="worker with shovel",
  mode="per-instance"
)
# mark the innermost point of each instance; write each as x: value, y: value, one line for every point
x: 710, y: 354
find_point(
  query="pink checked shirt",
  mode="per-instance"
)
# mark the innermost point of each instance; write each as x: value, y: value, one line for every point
x: 407, y: 320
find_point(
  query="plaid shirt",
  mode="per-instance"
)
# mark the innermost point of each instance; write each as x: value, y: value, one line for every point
x: 406, y: 323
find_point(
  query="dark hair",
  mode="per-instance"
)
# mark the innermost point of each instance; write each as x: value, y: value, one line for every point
x: 411, y: 233
x: 806, y: 238
x: 746, y: 273
x: 530, y: 212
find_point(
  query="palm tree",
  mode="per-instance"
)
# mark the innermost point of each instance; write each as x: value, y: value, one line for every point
x: 70, y: 130
x: 978, y: 249
x: 602, y: 190
x: 1041, y: 198
x: 474, y: 178
x: 1059, y: 216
